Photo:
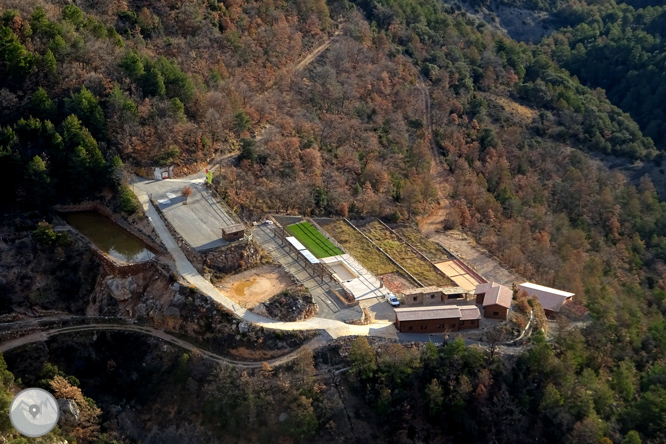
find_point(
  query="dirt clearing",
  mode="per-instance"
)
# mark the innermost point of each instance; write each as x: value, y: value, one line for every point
x: 397, y: 283
x: 473, y: 254
x: 252, y: 287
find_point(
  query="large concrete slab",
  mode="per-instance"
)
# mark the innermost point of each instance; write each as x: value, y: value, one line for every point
x: 200, y: 221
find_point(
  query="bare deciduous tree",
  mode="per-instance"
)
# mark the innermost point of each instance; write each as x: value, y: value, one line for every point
x: 186, y: 192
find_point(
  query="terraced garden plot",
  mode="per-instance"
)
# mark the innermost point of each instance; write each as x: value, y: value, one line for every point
x: 420, y: 268
x: 359, y: 247
x: 313, y: 240
x: 431, y: 250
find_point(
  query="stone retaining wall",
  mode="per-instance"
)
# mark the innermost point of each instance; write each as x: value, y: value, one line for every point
x: 243, y: 253
x: 111, y: 265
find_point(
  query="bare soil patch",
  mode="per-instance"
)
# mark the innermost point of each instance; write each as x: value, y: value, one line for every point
x: 477, y: 257
x: 397, y: 283
x: 254, y: 286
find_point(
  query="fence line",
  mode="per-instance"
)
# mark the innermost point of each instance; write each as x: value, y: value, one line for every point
x: 384, y: 253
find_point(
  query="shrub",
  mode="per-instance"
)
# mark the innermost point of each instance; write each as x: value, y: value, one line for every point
x: 128, y: 201
x: 44, y: 233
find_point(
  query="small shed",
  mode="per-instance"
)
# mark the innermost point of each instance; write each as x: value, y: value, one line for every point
x: 233, y: 232
x: 163, y: 172
x: 422, y: 296
x: 453, y: 292
x: 551, y: 299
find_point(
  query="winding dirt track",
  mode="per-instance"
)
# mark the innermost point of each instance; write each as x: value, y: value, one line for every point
x: 315, y: 52
x: 43, y: 335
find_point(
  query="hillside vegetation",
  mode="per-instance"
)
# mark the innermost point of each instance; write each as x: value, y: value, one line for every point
x: 156, y: 83
x: 621, y: 50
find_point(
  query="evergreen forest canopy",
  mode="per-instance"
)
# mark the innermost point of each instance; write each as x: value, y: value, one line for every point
x: 88, y: 87
x: 616, y: 45
x: 622, y: 50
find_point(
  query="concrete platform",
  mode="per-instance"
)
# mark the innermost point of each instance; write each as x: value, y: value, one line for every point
x: 200, y: 221
x: 364, y: 286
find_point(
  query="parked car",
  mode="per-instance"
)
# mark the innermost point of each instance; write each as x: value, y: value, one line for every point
x: 392, y: 300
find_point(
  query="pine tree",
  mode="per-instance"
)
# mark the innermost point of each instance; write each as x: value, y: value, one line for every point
x: 41, y: 105
x: 48, y: 64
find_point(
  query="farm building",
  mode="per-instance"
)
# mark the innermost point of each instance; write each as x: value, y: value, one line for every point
x: 432, y: 295
x: 551, y: 299
x: 495, y: 299
x: 440, y: 319
x: 233, y: 232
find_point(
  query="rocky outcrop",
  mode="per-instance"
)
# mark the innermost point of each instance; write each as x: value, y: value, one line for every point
x: 291, y: 305
x: 121, y: 289
x: 69, y: 413
x: 238, y: 255
x: 40, y: 281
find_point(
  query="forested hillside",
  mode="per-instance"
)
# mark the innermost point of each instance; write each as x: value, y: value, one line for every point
x: 178, y: 82
x: 91, y: 86
x: 621, y: 50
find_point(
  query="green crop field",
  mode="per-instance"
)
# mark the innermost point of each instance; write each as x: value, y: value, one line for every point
x: 313, y: 240
x: 359, y: 247
x: 420, y: 268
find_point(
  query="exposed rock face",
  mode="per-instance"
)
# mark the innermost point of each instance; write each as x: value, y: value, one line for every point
x: 69, y: 413
x: 45, y: 278
x: 291, y: 305
x: 121, y: 289
x: 69, y: 279
x: 261, y: 310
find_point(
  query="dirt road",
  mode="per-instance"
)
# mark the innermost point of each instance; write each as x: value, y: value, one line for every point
x: 43, y: 335
x: 315, y: 52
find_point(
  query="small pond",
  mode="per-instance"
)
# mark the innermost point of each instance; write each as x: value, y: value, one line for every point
x: 109, y: 236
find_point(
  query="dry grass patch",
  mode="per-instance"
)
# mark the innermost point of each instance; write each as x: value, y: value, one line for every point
x: 521, y: 112
x: 431, y: 250
x: 420, y: 268
x: 362, y: 250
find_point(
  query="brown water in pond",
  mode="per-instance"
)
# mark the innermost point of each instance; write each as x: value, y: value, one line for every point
x: 240, y: 288
x: 109, y: 236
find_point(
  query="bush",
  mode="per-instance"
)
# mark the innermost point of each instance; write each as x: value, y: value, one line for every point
x: 128, y: 201
x: 44, y: 233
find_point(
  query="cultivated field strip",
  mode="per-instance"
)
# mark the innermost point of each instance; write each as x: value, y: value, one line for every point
x: 402, y: 253
x: 359, y: 247
x: 313, y: 240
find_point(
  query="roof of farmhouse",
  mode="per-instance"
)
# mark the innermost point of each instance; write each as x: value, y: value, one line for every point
x: 431, y: 313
